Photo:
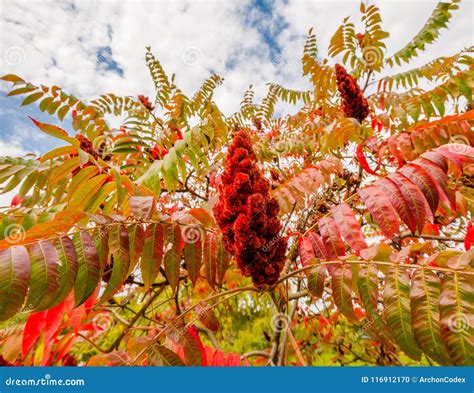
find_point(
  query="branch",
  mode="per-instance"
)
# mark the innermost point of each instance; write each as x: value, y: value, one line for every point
x: 211, y: 336
x: 137, y: 316
x: 409, y: 234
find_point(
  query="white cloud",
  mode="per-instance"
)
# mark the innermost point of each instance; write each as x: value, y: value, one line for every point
x: 11, y: 149
x: 54, y: 42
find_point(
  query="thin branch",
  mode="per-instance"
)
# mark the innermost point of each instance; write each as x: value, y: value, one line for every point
x: 137, y: 316
x: 409, y: 234
x: 211, y: 336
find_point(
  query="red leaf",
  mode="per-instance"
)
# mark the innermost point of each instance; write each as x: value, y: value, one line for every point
x: 424, y: 182
x: 381, y: 210
x: 188, y: 346
x: 457, y: 153
x: 218, y: 358
x: 437, y: 159
x: 305, y: 251
x: 415, y: 200
x: 33, y: 327
x: 398, y: 202
x: 394, y: 151
x: 16, y: 200
x: 331, y: 237
x: 469, y: 239
x: 47, y: 322
x: 318, y: 245
x: 348, y: 226
x: 210, y: 259
x: 363, y: 161
x: 439, y: 178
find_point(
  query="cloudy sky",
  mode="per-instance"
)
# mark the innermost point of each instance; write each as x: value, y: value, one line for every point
x: 92, y: 47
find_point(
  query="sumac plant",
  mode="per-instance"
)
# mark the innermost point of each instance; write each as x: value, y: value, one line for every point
x: 339, y: 235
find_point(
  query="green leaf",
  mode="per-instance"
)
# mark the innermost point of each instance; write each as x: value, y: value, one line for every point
x: 152, y: 255
x: 342, y: 290
x: 12, y: 78
x: 210, y: 259
x: 87, y: 191
x: 142, y: 206
x: 316, y: 278
x: 67, y: 268
x: 55, y: 131
x: 222, y: 261
x: 456, y: 310
x: 62, y: 112
x: 63, y: 170
x: 172, y: 262
x: 170, y: 171
x: 22, y: 90
x: 88, y: 274
x: 207, y: 316
x: 14, y: 277
x: 44, y: 280
x: 32, y: 98
x: 397, y: 310
x: 119, y: 249
x: 193, y: 259
x: 101, y: 243
x: 158, y: 355
x: 424, y: 298
x: 136, y: 236
x: 368, y: 288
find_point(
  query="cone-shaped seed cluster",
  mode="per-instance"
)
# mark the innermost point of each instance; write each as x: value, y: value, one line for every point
x: 248, y: 215
x: 354, y: 104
